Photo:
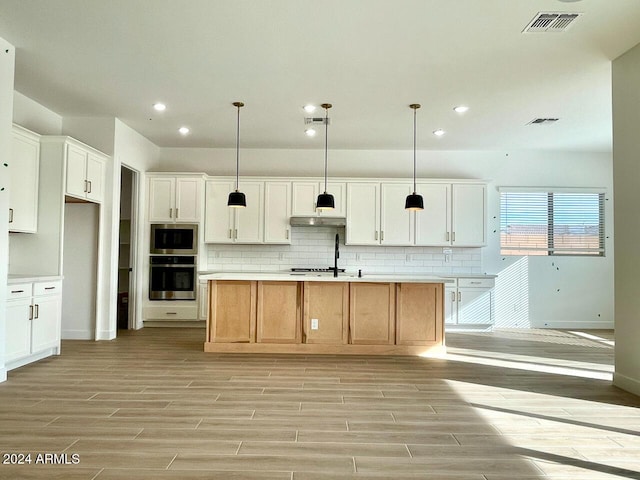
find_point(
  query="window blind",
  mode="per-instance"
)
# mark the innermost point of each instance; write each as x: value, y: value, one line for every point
x: 551, y: 223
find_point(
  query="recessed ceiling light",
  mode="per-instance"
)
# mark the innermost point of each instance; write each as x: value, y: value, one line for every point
x: 461, y: 109
x: 160, y: 107
x: 439, y: 132
x: 310, y: 132
x: 184, y: 130
x: 309, y: 108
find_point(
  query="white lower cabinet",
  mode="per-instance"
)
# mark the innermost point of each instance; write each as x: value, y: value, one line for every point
x: 34, y: 312
x: 469, y: 304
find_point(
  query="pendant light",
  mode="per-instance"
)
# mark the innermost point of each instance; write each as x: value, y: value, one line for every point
x: 237, y: 199
x: 414, y: 201
x: 325, y: 200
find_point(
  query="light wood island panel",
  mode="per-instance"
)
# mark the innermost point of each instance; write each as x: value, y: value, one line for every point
x: 360, y: 318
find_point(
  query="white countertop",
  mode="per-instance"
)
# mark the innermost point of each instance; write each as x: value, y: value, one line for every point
x: 26, y: 278
x: 324, y: 277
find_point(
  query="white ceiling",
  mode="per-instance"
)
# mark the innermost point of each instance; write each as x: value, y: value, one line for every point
x: 369, y: 58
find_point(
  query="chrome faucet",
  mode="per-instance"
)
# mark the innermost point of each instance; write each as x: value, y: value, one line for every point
x: 336, y: 256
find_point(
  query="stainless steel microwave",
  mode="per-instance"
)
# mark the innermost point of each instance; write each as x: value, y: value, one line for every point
x: 174, y: 239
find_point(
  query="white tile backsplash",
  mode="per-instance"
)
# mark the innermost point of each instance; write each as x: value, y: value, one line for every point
x: 313, y: 247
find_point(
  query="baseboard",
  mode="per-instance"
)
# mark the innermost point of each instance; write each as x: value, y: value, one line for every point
x: 78, y: 334
x: 575, y: 325
x: 627, y: 383
x: 106, y: 335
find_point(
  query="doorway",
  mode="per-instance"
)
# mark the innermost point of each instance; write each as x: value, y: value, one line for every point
x: 127, y: 249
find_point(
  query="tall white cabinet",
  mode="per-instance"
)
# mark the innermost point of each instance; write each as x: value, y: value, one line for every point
x: 24, y: 165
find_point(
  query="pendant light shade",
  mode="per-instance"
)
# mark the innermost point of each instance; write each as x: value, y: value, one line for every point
x: 325, y: 200
x: 414, y: 201
x: 237, y: 199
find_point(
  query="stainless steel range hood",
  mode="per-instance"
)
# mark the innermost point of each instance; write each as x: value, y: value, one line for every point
x: 318, y: 221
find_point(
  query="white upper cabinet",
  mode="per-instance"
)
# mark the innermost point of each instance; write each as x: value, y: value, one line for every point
x: 396, y: 223
x: 469, y: 212
x: 305, y: 194
x: 433, y: 224
x: 24, y: 166
x: 175, y: 199
x: 277, y: 210
x: 84, y: 173
x: 225, y: 224
x: 376, y: 214
x: 363, y: 214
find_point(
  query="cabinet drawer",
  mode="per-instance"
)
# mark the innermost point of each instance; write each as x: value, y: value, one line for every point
x: 18, y: 290
x: 47, y: 288
x: 476, y: 282
x: 179, y: 312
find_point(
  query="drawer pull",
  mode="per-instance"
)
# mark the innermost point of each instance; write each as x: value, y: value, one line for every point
x: 49, y: 288
x: 17, y: 291
x: 475, y: 283
x: 171, y: 313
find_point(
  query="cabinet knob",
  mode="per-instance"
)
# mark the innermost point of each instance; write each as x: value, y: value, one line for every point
x: 171, y: 213
x: 89, y: 186
x: 11, y: 215
x: 177, y: 214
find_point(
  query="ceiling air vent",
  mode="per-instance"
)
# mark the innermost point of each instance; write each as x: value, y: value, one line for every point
x: 542, y: 121
x: 316, y: 121
x: 545, y: 22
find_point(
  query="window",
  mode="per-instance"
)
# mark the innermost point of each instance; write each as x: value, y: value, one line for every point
x: 551, y: 223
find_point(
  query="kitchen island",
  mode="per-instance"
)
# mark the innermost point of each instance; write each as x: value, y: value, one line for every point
x: 317, y: 313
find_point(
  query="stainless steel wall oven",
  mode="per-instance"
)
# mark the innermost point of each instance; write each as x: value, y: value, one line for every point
x: 172, y: 277
x: 174, y: 239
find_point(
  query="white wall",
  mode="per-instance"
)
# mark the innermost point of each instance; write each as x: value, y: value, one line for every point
x: 567, y: 292
x: 80, y: 272
x: 626, y: 169
x: 35, y: 117
x: 7, y: 63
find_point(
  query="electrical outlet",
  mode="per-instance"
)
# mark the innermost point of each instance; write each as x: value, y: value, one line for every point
x: 314, y: 324
x: 447, y: 254
x: 358, y: 257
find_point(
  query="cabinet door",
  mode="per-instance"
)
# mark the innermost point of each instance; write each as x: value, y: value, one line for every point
x: 95, y: 178
x: 326, y: 307
x: 372, y: 313
x: 18, y: 329
x: 474, y: 306
x: 203, y: 301
x: 396, y: 223
x: 469, y: 215
x: 303, y: 200
x: 339, y: 192
x: 23, y: 178
x: 161, y: 199
x: 279, y: 312
x: 249, y: 221
x: 277, y: 210
x: 45, y: 328
x: 433, y: 224
x: 218, y: 221
x: 450, y: 305
x: 76, y: 172
x: 418, y: 314
x: 363, y: 214
x: 232, y: 310
x: 188, y: 199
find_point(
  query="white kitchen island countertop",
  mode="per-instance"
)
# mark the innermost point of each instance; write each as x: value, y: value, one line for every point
x: 325, y: 277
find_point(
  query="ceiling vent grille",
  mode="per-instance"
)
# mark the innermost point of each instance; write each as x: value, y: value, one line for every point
x: 542, y: 121
x: 545, y: 22
x: 317, y: 121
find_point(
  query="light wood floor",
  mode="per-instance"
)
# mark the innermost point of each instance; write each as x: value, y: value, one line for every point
x: 151, y: 405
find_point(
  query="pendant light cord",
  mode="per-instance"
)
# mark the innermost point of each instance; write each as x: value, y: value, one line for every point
x: 326, y: 145
x: 238, y: 149
x: 414, y: 150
